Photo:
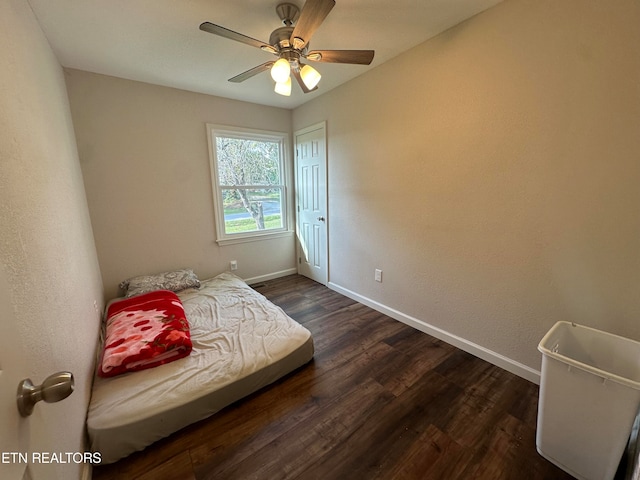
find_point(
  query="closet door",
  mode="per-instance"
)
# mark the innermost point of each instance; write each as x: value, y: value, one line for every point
x: 311, y: 202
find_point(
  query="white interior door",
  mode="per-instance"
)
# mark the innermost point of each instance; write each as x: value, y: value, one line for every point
x: 311, y: 202
x: 14, y: 434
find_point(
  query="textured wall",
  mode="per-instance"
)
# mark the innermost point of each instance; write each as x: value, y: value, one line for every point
x: 492, y: 173
x: 47, y: 251
x: 145, y: 163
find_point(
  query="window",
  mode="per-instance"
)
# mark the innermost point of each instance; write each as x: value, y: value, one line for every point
x: 249, y: 175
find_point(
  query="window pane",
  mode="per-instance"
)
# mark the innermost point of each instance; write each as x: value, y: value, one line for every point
x: 250, y: 174
x: 252, y: 210
x: 248, y: 162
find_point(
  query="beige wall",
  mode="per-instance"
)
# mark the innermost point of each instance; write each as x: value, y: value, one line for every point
x: 47, y: 253
x: 145, y: 161
x: 492, y: 173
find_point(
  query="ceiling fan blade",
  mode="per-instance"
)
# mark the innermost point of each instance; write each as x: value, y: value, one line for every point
x: 359, y: 57
x: 238, y: 37
x: 251, y: 72
x: 296, y: 73
x: 313, y: 14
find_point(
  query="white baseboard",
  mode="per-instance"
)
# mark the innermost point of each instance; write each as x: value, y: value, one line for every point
x: 87, y: 471
x: 490, y: 356
x: 271, y: 276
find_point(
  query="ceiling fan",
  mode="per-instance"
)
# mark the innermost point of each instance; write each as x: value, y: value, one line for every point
x: 290, y: 44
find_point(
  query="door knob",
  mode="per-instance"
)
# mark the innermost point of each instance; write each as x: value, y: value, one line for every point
x: 56, y: 387
x: 321, y: 219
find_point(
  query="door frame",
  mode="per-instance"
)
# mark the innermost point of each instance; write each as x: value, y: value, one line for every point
x: 317, y: 126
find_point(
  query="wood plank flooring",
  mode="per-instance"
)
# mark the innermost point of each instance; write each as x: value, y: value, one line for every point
x: 380, y: 400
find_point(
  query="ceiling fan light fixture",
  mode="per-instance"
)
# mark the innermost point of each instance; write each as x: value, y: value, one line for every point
x: 310, y: 76
x: 281, y: 70
x: 290, y: 45
x: 283, y: 88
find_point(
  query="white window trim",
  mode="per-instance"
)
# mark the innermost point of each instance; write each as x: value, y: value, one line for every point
x: 214, y: 130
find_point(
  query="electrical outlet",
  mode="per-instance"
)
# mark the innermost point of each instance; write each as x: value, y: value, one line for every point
x: 233, y: 264
x: 378, y: 275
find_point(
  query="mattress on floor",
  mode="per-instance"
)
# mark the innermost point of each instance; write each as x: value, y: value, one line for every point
x: 241, y: 342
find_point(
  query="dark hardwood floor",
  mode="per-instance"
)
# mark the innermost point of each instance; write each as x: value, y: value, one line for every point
x: 380, y: 400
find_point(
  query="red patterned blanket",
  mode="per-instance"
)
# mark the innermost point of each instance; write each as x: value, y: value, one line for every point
x: 143, y: 332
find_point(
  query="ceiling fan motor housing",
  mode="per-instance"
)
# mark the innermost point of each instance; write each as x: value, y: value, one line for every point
x: 280, y: 39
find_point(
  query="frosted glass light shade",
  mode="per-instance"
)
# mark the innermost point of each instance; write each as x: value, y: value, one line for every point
x: 310, y: 76
x: 284, y: 88
x: 281, y: 70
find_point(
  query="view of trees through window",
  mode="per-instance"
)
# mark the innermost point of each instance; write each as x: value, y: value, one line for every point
x: 249, y: 174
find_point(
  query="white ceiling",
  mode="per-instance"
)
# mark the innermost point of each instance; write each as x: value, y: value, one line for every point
x: 159, y: 42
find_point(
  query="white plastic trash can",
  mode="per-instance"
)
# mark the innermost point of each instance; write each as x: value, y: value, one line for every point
x: 589, y: 397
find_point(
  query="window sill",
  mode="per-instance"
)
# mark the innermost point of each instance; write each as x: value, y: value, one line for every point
x: 254, y: 238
